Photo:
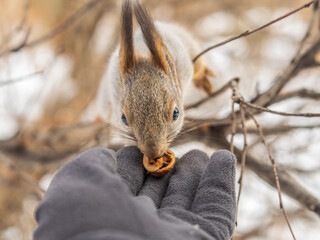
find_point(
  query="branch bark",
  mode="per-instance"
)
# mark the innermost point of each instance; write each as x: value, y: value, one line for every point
x: 214, y: 137
x: 247, y: 33
x: 59, y: 29
x: 278, y: 129
x: 301, y: 93
x: 305, y: 61
x: 212, y: 95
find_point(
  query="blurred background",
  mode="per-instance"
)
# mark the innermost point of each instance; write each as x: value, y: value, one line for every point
x: 53, y: 54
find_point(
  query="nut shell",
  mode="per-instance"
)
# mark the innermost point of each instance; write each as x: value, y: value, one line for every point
x: 161, y: 166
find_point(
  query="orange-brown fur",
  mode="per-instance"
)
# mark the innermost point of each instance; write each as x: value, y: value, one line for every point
x: 200, y: 77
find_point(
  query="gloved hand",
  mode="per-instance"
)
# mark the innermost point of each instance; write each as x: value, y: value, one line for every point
x: 87, y: 199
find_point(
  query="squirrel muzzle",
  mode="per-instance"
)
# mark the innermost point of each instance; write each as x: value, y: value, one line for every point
x: 154, y: 152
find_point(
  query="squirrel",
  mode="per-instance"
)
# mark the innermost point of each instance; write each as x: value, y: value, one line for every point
x: 142, y: 91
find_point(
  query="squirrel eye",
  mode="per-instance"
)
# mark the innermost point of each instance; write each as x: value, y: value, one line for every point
x: 175, y: 114
x: 124, y: 119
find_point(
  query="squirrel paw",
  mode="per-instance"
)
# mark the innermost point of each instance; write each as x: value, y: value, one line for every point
x: 201, y: 80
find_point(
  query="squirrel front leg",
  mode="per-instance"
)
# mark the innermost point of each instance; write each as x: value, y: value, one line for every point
x: 200, y: 77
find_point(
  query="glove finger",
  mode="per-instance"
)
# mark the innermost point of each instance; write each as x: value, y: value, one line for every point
x: 99, y: 156
x: 155, y: 188
x: 88, y: 200
x: 130, y: 168
x: 185, y: 180
x: 215, y: 199
x: 83, y: 196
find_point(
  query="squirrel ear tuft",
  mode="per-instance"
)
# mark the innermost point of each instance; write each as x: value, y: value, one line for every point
x: 127, y: 58
x: 151, y: 36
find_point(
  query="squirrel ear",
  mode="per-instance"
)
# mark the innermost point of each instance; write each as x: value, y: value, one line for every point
x: 151, y: 36
x: 127, y: 58
x: 169, y: 67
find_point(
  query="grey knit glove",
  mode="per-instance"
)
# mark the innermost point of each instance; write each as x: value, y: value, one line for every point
x: 87, y: 199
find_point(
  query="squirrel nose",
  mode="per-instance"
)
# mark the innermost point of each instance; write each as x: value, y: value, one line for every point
x: 153, y: 153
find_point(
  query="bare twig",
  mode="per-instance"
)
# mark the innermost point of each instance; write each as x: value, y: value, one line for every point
x: 215, y: 94
x: 298, y: 170
x: 271, y: 221
x: 247, y: 33
x: 301, y: 60
x: 266, y: 98
x: 237, y: 97
x: 19, y: 79
x: 308, y: 32
x: 304, y: 60
x: 233, y: 114
x: 289, y: 185
x: 263, y: 109
x: 233, y: 127
x: 59, y: 29
x: 61, y: 135
x: 275, y: 172
x: 244, y: 155
x: 279, y: 129
x: 301, y: 93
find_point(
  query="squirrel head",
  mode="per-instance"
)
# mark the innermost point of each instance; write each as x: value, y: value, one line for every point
x: 150, y: 91
x: 151, y: 108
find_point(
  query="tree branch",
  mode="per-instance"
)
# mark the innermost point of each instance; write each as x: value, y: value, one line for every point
x: 278, y: 129
x: 263, y: 109
x: 288, y: 184
x: 307, y: 59
x: 19, y: 79
x: 212, y: 95
x: 247, y: 33
x: 275, y: 171
x: 301, y: 93
x: 243, y: 156
x: 59, y: 29
x: 214, y: 137
x: 238, y: 98
x: 308, y: 32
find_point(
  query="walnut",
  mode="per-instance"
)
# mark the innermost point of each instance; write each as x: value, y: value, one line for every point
x: 161, y: 166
